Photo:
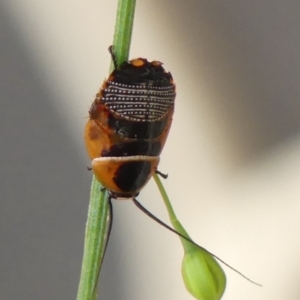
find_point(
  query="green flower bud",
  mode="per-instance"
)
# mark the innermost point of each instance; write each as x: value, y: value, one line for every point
x: 202, y: 275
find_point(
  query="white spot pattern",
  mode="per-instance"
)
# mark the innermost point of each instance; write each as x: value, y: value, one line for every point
x: 142, y: 102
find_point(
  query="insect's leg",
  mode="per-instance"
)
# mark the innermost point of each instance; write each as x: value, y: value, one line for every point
x: 164, y: 176
x: 113, y: 56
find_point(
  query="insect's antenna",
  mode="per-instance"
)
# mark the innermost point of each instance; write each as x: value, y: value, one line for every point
x: 113, y: 56
x: 110, y: 209
x: 149, y: 214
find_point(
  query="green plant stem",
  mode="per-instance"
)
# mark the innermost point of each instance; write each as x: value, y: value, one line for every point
x: 173, y: 218
x: 123, y: 30
x: 95, y: 241
x: 98, y: 221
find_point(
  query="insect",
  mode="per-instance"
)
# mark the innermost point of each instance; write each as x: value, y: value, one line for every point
x: 129, y: 122
x: 128, y: 125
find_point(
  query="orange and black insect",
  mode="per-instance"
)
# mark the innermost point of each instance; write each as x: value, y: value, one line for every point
x: 129, y: 123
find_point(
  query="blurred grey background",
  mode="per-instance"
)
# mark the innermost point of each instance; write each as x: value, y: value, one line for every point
x: 233, y: 154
